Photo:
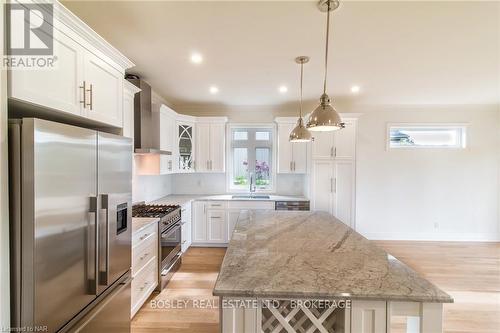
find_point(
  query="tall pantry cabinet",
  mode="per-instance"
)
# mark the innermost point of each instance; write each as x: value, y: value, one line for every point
x: 332, y: 178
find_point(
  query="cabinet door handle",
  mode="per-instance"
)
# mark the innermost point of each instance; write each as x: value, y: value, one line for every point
x: 215, y: 217
x: 331, y: 152
x: 211, y: 168
x: 331, y: 185
x: 208, y: 165
x: 169, y: 165
x: 91, y: 92
x: 291, y: 169
x: 84, y: 89
x: 334, y: 185
x: 335, y: 152
x: 294, y: 166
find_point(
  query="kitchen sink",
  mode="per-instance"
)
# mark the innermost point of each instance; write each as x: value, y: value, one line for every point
x: 250, y: 196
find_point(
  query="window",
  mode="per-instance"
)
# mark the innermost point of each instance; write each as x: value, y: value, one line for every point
x: 251, y: 154
x: 426, y: 136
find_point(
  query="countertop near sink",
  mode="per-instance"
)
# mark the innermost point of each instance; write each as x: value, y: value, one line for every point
x: 182, y: 199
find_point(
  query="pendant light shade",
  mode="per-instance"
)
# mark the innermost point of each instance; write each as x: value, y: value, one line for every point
x: 325, y: 117
x: 300, y: 132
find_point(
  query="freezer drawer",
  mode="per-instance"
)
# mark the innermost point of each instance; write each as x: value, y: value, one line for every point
x: 111, y: 314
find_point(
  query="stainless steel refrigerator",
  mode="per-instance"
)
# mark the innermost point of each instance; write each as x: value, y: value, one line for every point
x: 71, y: 213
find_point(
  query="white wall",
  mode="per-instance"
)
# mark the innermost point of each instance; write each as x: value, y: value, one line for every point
x: 429, y: 194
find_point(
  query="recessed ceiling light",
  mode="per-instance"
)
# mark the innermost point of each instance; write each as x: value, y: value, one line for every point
x: 214, y: 90
x: 283, y: 89
x: 355, y: 89
x: 196, y: 58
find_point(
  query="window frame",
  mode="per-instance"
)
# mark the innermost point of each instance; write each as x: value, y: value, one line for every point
x: 229, y: 153
x: 463, y: 135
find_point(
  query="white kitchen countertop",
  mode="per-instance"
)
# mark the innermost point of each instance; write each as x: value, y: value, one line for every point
x: 139, y: 223
x: 182, y: 199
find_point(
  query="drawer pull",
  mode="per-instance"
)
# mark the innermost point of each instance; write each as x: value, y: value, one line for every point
x: 144, y: 256
x: 144, y: 236
x: 215, y: 205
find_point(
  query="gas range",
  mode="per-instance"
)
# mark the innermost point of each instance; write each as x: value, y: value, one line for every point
x: 168, y: 214
x: 169, y: 238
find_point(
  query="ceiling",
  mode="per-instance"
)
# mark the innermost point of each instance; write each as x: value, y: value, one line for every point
x: 398, y: 52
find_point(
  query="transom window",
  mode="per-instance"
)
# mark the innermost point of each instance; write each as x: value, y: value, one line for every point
x: 426, y: 136
x: 251, y: 155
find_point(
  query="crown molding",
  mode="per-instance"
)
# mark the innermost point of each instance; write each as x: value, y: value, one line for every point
x: 65, y: 16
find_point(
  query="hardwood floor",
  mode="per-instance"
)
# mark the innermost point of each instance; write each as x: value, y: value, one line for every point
x: 469, y: 272
x: 193, y: 282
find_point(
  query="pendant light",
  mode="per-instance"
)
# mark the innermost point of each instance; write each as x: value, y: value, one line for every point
x: 300, y: 132
x: 325, y: 117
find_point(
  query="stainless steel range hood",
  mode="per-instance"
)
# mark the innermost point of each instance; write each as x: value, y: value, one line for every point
x: 143, y: 123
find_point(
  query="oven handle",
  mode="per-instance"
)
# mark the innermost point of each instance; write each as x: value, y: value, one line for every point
x: 169, y: 230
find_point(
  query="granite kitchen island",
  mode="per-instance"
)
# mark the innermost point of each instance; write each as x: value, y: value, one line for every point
x: 309, y: 272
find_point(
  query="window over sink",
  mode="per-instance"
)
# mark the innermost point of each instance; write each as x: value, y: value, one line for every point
x: 251, y: 153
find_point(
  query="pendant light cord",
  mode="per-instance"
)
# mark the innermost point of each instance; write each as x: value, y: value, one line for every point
x: 326, y: 46
x: 301, y: 79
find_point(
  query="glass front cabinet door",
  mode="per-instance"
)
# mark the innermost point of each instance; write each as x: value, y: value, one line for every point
x: 186, y: 147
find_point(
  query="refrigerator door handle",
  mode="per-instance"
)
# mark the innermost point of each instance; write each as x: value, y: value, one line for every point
x: 92, y: 253
x: 104, y: 248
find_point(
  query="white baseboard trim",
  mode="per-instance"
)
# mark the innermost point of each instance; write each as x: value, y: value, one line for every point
x: 447, y: 237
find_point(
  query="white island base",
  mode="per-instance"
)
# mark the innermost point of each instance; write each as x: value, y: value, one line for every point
x: 251, y: 315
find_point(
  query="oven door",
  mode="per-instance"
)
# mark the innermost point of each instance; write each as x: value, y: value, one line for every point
x: 170, y: 244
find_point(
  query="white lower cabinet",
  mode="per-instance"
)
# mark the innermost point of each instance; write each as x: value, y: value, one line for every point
x: 144, y: 265
x: 368, y: 316
x: 186, y: 226
x: 214, y: 221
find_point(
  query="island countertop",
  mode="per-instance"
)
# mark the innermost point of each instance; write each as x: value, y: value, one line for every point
x: 313, y: 255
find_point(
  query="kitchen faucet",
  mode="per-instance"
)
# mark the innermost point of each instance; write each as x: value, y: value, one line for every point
x: 252, y: 185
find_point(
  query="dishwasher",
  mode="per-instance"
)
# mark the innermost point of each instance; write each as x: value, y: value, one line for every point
x: 292, y: 205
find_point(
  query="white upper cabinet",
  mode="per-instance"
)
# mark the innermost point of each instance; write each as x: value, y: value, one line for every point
x: 292, y: 156
x: 285, y: 157
x: 86, y: 82
x: 104, y: 91
x: 185, y: 146
x: 203, y: 147
x: 218, y: 147
x: 322, y: 146
x: 345, y: 141
x: 210, y: 144
x: 336, y: 145
x: 60, y: 88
